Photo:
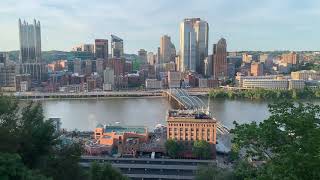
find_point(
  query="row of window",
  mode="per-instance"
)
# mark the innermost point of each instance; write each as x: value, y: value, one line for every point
x: 187, y: 134
x: 187, y: 130
x: 191, y: 125
x: 191, y: 139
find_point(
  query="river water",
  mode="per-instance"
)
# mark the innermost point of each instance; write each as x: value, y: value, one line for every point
x: 85, y: 114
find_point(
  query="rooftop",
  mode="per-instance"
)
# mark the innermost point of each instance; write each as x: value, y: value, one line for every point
x: 188, y: 114
x: 125, y: 129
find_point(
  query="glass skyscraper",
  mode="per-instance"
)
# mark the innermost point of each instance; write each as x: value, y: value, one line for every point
x: 30, y: 42
x: 116, y: 47
x: 194, y: 35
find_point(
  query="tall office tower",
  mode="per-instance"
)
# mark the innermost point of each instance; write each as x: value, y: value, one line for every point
x: 194, y: 35
x: 220, y: 67
x: 143, y: 55
x: 167, y: 50
x: 116, y: 47
x: 101, y: 48
x: 30, y: 42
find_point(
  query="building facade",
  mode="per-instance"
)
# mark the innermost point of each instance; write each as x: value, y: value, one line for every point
x: 101, y: 49
x: 185, y: 127
x: 194, y: 35
x: 30, y: 42
x: 290, y: 58
x: 167, y: 50
x: 116, y: 47
x: 257, y: 69
x: 281, y: 84
x: 305, y: 75
x: 220, y: 66
x: 125, y: 140
x: 143, y: 55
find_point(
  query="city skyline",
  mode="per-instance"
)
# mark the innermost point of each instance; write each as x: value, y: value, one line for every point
x: 249, y: 25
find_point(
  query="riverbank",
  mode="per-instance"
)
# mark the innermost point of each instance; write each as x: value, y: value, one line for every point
x: 265, y: 94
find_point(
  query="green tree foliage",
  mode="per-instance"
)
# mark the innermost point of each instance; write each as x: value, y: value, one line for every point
x: 201, y: 149
x: 11, y: 167
x: 173, y: 148
x: 29, y: 141
x: 212, y: 172
x: 285, y: 146
x: 64, y: 163
x: 37, y: 135
x: 105, y: 172
x: 265, y: 94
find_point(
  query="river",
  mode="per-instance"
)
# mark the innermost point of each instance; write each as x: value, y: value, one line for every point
x: 85, y: 114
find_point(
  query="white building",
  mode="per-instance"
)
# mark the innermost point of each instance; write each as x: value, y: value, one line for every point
x: 108, y: 79
x: 240, y: 79
x: 174, y: 79
x: 266, y: 83
x: 305, y: 75
x: 153, y: 84
x: 296, y: 84
x: 24, y: 86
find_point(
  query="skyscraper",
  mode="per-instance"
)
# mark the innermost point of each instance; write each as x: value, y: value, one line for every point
x: 30, y: 42
x: 101, y: 49
x: 220, y: 67
x: 167, y: 50
x: 194, y: 35
x: 143, y: 55
x: 116, y: 47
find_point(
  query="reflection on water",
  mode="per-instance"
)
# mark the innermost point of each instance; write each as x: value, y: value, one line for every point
x: 86, y: 114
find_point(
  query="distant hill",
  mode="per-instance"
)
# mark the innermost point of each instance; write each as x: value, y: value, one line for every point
x: 49, y: 56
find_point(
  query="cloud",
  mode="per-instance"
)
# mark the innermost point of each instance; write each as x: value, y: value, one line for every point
x: 246, y: 24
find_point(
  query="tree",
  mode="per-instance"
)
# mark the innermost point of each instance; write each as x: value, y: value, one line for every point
x: 105, y: 172
x: 64, y: 163
x: 37, y: 136
x: 173, y: 148
x: 285, y: 146
x: 201, y: 149
x: 11, y: 167
x: 212, y: 172
x: 30, y: 143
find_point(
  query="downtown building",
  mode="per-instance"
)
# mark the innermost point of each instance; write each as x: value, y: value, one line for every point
x: 30, y: 42
x: 143, y: 56
x: 194, y: 35
x: 167, y: 50
x: 101, y: 50
x: 219, y: 60
x: 30, y: 51
x: 116, y: 47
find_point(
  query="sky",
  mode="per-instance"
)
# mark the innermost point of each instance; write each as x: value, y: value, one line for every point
x: 245, y: 24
